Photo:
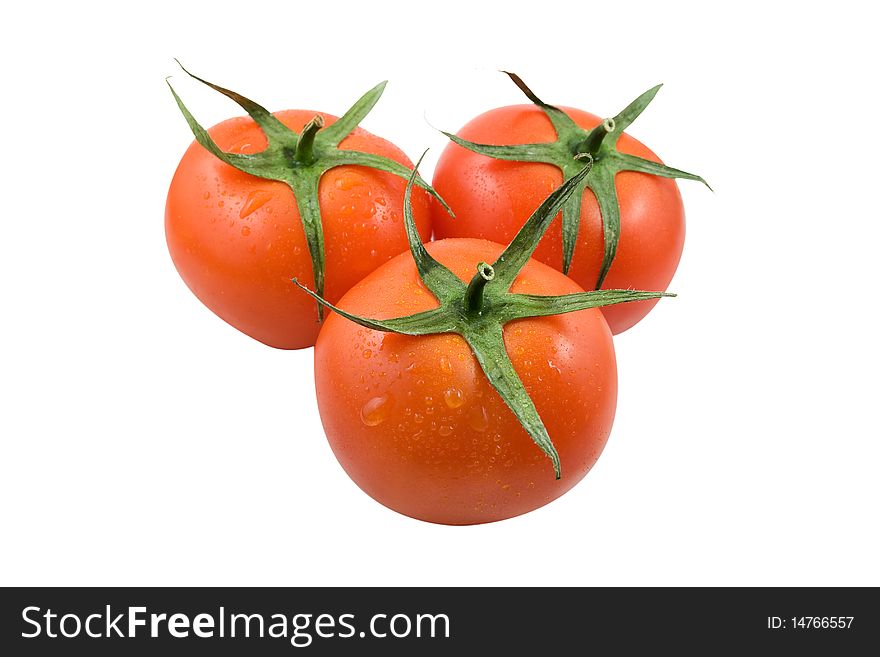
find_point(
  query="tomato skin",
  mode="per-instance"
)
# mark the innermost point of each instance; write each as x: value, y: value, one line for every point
x: 237, y: 240
x: 416, y: 424
x: 496, y: 197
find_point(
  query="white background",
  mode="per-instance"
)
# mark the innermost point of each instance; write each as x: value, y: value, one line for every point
x: 146, y: 442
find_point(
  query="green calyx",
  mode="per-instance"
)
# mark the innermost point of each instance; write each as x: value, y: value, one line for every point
x: 478, y: 311
x: 299, y: 160
x: 576, y: 149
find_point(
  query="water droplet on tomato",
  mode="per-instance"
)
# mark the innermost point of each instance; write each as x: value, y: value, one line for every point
x: 444, y: 430
x: 367, y: 353
x: 453, y: 397
x: 240, y: 147
x: 445, y: 365
x: 478, y: 418
x: 245, y: 231
x: 206, y: 195
x: 349, y: 180
x: 254, y: 201
x: 376, y: 410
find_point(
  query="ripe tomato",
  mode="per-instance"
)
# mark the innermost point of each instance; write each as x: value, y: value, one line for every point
x: 497, y: 196
x: 237, y: 240
x: 415, y: 422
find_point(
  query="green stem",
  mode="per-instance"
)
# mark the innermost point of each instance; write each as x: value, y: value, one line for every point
x: 473, y: 296
x: 305, y: 146
x: 597, y: 135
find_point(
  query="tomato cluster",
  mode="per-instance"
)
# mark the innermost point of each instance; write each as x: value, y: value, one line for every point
x: 458, y: 381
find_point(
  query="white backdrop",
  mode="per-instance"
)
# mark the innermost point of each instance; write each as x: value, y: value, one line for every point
x: 146, y: 442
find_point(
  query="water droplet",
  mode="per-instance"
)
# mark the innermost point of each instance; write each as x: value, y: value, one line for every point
x: 254, y: 201
x: 478, y: 418
x: 453, y: 397
x: 418, y: 418
x: 373, y: 253
x: 206, y: 195
x: 245, y: 230
x: 376, y: 410
x: 444, y: 430
x: 297, y: 250
x: 349, y: 180
x: 445, y: 365
x: 367, y: 353
x: 220, y: 204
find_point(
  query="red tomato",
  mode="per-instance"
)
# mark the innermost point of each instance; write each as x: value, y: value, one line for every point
x: 237, y: 240
x: 493, y: 198
x: 417, y: 425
